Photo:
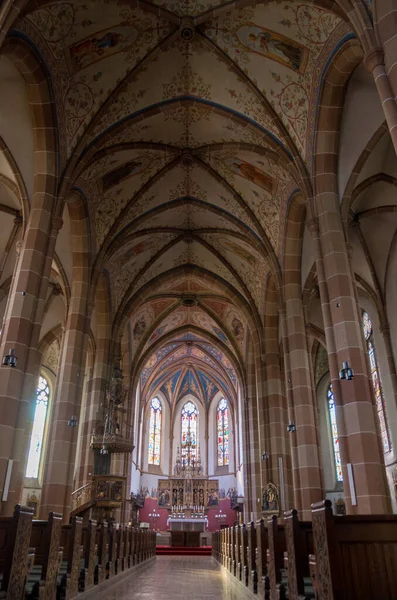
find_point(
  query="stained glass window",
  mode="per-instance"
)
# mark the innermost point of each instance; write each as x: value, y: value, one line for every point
x: 155, y: 432
x: 189, y: 432
x: 376, y: 381
x: 334, y: 433
x: 222, y: 420
x: 36, y: 440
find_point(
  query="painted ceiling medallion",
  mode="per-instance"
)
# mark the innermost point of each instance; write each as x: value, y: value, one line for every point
x: 187, y: 29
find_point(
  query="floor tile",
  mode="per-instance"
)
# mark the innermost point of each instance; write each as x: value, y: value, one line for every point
x: 179, y: 578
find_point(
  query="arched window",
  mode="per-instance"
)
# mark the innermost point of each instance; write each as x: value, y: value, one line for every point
x: 36, y: 440
x: 334, y: 434
x: 222, y: 424
x: 189, y: 432
x: 376, y: 382
x: 155, y: 432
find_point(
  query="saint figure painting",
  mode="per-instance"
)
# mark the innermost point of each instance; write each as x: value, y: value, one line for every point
x: 101, y: 45
x: 274, y: 46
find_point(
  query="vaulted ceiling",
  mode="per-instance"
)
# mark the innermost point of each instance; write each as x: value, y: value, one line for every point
x: 186, y: 127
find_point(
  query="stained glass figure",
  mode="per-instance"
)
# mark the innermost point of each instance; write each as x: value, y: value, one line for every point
x: 188, y: 433
x: 154, y: 432
x: 376, y: 382
x: 334, y: 433
x: 36, y: 440
x: 222, y: 418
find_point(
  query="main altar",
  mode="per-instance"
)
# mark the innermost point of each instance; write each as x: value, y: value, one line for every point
x: 188, y: 496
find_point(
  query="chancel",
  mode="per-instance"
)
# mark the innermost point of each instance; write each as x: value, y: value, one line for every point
x: 198, y: 258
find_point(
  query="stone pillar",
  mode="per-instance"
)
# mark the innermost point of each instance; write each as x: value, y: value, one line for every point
x: 251, y: 449
x: 3, y: 259
x: 59, y: 473
x: 21, y: 329
x: 305, y: 440
x: 276, y: 401
x: 374, y: 62
x: 357, y: 428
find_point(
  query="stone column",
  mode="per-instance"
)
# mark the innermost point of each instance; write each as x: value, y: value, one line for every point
x: 21, y: 329
x: 374, y: 62
x: 59, y: 474
x: 3, y: 259
x: 276, y: 401
x: 305, y: 439
x: 251, y: 449
x: 357, y: 428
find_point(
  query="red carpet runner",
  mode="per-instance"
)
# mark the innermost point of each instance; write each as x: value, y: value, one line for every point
x: 183, y: 551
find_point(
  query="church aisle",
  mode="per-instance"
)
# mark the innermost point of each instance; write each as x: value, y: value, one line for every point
x: 179, y: 577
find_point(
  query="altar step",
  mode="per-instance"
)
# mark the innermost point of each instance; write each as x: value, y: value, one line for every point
x: 183, y: 551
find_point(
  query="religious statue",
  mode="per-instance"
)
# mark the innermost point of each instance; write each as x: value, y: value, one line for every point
x: 340, y: 507
x: 164, y: 498
x: 213, y: 497
x: 270, y: 499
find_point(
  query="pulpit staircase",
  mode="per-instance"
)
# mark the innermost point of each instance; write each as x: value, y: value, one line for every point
x: 103, y: 492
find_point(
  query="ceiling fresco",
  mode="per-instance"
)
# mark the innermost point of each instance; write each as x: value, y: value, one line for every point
x: 188, y: 367
x: 187, y: 126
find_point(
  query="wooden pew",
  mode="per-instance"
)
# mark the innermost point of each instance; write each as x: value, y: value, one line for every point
x: 244, y: 554
x: 251, y: 559
x: 215, y: 545
x: 222, y: 557
x: 355, y: 556
x: 71, y: 538
x: 90, y: 550
x: 45, y: 538
x: 262, y: 544
x: 237, y: 546
x: 102, y: 556
x: 299, y: 542
x: 227, y: 547
x: 16, y: 559
x: 137, y: 553
x: 118, y: 563
x: 112, y: 549
x: 125, y: 565
x: 132, y: 546
x: 232, y: 561
x: 275, y: 558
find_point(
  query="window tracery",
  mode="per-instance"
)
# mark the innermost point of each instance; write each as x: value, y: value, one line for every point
x: 37, y: 437
x: 222, y: 421
x: 334, y: 434
x: 189, y: 431
x: 376, y: 381
x: 155, y: 432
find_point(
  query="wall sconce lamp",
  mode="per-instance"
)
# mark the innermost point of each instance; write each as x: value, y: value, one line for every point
x: 346, y: 372
x: 10, y: 360
x: 265, y: 455
x: 291, y: 428
x: 73, y: 421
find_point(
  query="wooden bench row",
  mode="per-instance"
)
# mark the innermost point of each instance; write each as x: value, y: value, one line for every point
x: 45, y: 559
x: 328, y: 558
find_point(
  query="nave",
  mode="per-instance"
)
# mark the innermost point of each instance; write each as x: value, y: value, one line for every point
x: 178, y: 577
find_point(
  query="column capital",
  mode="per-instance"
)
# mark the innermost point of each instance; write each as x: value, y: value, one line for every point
x: 19, y: 246
x: 349, y: 250
x: 313, y: 225
x: 18, y: 220
x: 384, y: 327
x: 56, y: 223
x: 374, y: 58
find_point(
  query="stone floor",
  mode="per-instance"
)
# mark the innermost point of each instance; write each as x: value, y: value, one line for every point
x: 177, y: 578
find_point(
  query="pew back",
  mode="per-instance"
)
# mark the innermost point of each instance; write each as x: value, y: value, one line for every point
x: 16, y: 558
x: 355, y: 556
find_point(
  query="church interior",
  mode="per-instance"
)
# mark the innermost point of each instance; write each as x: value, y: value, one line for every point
x: 198, y: 258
